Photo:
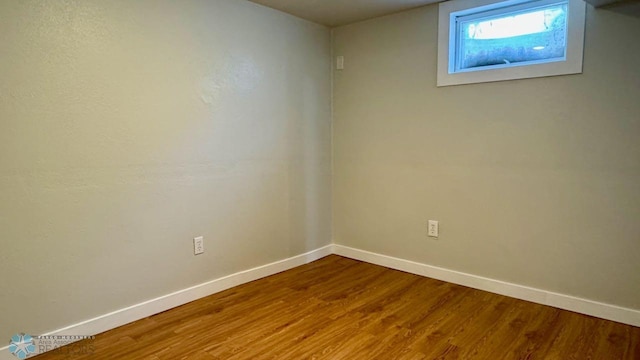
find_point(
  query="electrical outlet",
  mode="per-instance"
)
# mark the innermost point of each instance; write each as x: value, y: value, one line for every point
x: 433, y: 228
x: 198, y: 245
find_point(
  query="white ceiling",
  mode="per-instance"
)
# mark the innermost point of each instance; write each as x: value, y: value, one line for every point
x: 340, y: 12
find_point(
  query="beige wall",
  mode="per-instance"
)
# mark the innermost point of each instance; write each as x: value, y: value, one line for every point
x: 535, y: 182
x: 129, y: 127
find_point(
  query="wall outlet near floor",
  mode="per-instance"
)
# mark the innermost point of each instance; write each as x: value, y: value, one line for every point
x: 433, y: 228
x: 198, y: 245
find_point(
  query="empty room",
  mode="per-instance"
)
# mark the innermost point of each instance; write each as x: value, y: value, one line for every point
x: 320, y: 179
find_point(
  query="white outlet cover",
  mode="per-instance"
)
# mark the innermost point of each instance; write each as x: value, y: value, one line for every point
x: 433, y: 230
x: 198, y: 245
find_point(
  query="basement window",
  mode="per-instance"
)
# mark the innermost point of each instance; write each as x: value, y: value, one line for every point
x: 482, y: 41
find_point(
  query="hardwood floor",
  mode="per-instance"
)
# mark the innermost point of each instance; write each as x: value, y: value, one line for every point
x: 337, y: 308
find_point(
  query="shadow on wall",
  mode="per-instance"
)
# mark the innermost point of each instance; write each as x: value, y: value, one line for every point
x: 629, y: 8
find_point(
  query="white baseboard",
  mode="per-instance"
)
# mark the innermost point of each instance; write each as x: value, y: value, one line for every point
x: 566, y: 302
x: 147, y: 308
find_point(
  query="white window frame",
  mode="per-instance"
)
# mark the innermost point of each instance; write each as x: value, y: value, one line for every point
x: 447, y: 39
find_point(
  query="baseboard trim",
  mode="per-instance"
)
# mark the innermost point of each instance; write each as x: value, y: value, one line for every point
x: 147, y: 308
x: 561, y: 301
x: 154, y: 306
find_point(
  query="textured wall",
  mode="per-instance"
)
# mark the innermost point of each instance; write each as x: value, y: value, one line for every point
x: 129, y: 127
x: 535, y: 182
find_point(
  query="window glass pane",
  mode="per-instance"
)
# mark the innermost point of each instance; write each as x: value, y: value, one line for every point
x: 531, y: 35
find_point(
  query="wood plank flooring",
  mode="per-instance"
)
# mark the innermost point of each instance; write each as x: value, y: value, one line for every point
x: 338, y: 308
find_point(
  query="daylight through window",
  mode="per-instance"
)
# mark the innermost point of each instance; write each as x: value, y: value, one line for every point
x: 484, y: 40
x: 532, y: 35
